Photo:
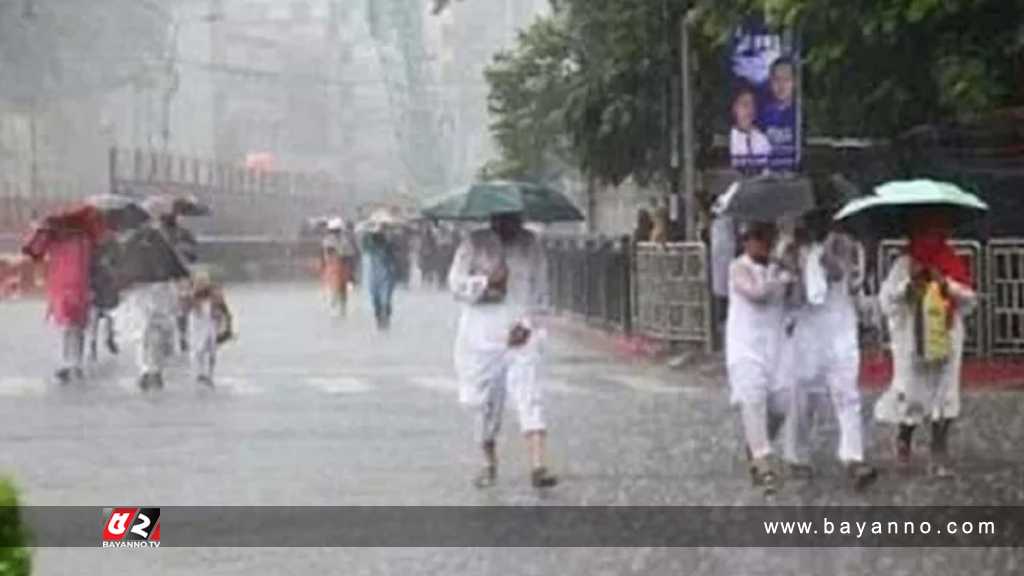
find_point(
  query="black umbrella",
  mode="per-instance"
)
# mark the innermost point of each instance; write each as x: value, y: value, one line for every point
x: 190, y: 205
x: 148, y: 257
x: 120, y: 212
x: 767, y: 199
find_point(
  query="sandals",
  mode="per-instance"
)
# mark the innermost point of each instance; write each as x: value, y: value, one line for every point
x: 486, y: 477
x: 763, y: 476
x: 861, y: 475
x: 541, y: 478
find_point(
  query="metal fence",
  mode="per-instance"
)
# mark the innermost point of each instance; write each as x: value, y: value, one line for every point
x: 590, y: 277
x: 657, y: 290
x: 662, y: 290
x: 672, y: 293
x: 1006, y: 296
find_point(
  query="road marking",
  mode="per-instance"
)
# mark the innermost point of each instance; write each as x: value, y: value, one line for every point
x: 340, y: 385
x: 559, y: 386
x: 15, y: 386
x: 239, y: 386
x: 436, y: 383
x: 653, y: 386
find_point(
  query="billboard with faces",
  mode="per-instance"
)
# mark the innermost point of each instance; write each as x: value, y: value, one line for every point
x: 764, y: 110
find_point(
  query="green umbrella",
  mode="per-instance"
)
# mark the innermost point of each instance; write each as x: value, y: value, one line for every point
x: 482, y: 200
x: 887, y: 211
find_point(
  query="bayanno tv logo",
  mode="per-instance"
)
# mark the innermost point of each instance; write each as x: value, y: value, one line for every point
x: 131, y: 527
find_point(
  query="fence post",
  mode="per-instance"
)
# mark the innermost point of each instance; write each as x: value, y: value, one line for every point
x: 626, y: 285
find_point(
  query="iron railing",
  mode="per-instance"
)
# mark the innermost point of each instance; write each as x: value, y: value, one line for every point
x: 590, y: 278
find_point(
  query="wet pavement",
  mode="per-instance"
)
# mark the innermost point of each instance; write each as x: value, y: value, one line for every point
x: 312, y: 410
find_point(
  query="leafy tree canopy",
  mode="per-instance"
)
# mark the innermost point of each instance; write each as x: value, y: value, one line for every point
x: 873, y: 68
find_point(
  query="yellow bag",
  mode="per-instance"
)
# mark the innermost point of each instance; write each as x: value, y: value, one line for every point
x: 937, y: 340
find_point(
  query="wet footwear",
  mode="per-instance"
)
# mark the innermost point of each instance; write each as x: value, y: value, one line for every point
x: 541, y: 478
x: 766, y: 479
x: 205, y: 381
x: 144, y: 382
x: 861, y: 475
x: 904, y: 439
x: 941, y: 470
x: 63, y: 376
x: 486, y: 477
x: 157, y: 381
x: 801, y: 471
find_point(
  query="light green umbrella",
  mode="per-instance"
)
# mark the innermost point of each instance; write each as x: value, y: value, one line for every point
x: 887, y: 211
x: 482, y: 200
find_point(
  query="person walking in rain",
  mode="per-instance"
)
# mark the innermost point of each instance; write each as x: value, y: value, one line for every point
x: 823, y: 354
x: 185, y: 243
x: 153, y: 303
x: 382, y: 263
x: 67, y: 243
x: 927, y: 350
x: 754, y: 333
x: 336, y: 254
x: 499, y: 275
x: 106, y: 296
x: 210, y: 324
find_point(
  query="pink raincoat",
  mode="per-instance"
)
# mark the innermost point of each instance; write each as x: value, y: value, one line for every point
x: 67, y: 251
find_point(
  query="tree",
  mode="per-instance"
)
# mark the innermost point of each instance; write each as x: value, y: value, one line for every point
x: 528, y: 89
x: 873, y: 68
x: 14, y: 556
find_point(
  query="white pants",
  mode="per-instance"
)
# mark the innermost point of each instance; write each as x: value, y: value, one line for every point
x: 761, y: 400
x: 833, y: 376
x: 203, y: 339
x: 72, y: 347
x: 504, y: 373
x: 151, y: 315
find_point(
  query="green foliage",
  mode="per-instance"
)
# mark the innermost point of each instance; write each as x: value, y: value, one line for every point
x: 529, y: 86
x: 879, y: 67
x: 14, y: 556
x: 873, y: 68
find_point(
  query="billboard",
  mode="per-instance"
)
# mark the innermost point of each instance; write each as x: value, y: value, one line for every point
x: 764, y: 110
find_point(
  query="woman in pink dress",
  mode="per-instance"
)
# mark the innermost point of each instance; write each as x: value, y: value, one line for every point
x: 66, y: 243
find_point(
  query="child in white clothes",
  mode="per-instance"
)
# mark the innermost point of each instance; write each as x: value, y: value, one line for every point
x: 754, y: 331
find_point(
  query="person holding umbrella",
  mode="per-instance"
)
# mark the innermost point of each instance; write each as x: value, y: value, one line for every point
x: 499, y: 275
x: 153, y: 268
x: 336, y: 253
x: 761, y: 286
x: 822, y: 353
x: 378, y: 247
x: 925, y: 297
x: 66, y: 241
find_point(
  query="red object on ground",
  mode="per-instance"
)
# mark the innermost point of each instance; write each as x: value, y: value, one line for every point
x: 977, y: 373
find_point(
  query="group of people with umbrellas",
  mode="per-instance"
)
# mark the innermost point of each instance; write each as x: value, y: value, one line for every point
x: 792, y: 321
x: 113, y: 251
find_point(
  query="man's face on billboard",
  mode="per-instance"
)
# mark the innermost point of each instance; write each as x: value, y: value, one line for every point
x: 783, y: 83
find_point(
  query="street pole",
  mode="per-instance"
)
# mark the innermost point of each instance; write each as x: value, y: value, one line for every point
x: 688, y: 138
x: 33, y: 184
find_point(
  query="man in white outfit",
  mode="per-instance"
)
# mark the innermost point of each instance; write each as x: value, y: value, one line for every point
x: 499, y: 274
x: 823, y: 356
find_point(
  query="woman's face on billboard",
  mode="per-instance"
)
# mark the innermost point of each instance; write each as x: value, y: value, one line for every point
x: 744, y: 110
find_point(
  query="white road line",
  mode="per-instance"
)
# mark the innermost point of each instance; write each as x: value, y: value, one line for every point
x: 340, y: 385
x: 652, y: 386
x: 560, y: 386
x: 21, y: 387
x: 237, y: 386
x: 436, y: 383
